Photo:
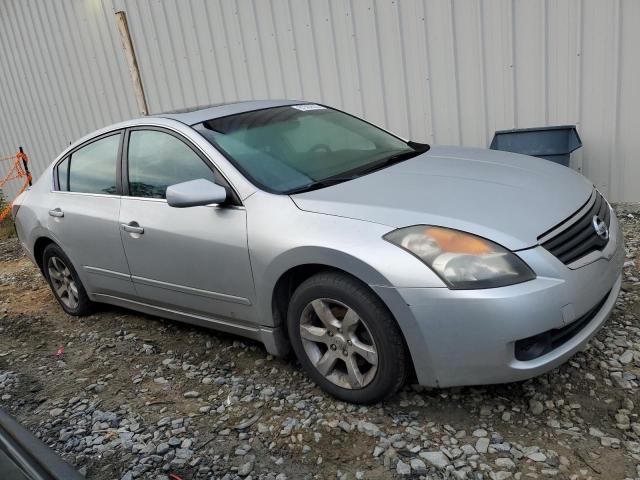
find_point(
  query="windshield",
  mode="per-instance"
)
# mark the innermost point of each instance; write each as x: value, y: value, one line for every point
x: 300, y: 147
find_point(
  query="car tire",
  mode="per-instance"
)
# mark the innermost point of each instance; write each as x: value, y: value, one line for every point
x: 356, y: 351
x: 64, y: 282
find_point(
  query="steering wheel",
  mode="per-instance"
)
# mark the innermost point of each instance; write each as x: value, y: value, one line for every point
x: 320, y: 147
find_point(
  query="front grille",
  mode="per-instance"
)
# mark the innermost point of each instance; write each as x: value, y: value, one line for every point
x: 533, y: 347
x: 580, y: 238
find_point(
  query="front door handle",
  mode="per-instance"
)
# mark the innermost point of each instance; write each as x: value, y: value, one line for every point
x: 56, y: 212
x: 132, y: 227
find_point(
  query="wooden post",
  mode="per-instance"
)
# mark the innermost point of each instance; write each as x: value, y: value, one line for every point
x: 130, y: 53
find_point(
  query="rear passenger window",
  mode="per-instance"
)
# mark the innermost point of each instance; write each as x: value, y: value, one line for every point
x: 158, y: 160
x: 93, y: 168
x: 63, y: 175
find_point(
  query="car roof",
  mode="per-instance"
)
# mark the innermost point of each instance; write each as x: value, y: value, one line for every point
x: 194, y: 115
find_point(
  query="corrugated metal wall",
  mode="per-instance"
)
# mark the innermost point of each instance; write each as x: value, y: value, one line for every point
x: 448, y: 72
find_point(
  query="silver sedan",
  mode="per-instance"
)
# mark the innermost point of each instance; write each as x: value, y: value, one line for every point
x: 373, y: 257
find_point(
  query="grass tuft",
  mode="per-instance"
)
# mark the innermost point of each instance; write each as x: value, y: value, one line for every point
x: 6, y: 226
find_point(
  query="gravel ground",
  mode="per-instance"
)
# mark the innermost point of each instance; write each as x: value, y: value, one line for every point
x: 134, y: 396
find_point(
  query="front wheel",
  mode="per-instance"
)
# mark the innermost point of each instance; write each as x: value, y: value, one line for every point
x: 65, y: 283
x: 346, y: 339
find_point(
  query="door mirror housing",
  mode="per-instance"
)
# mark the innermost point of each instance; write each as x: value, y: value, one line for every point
x: 195, y: 193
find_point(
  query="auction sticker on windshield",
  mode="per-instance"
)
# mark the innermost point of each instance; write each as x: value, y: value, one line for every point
x: 306, y: 108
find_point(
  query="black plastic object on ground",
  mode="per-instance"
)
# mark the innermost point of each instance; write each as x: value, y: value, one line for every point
x: 551, y: 143
x: 24, y: 457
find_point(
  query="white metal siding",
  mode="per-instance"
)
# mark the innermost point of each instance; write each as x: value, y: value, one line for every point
x: 439, y: 71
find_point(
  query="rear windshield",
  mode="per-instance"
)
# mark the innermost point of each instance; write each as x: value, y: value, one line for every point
x: 284, y: 149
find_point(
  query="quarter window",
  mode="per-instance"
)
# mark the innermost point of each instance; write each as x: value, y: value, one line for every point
x: 63, y: 175
x: 93, y: 168
x: 158, y: 160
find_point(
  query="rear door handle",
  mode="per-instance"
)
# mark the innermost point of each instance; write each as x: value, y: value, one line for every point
x: 132, y: 227
x: 56, y: 212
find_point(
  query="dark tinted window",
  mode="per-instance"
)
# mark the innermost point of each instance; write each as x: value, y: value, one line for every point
x: 286, y: 148
x: 158, y: 160
x: 93, y: 168
x: 63, y: 170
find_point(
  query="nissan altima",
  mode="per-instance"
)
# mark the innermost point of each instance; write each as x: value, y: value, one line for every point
x: 372, y: 257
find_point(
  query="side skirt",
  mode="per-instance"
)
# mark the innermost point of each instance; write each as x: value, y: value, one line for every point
x: 274, y: 338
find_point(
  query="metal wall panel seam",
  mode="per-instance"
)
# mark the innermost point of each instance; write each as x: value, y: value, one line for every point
x: 376, y: 33
x: 280, y: 37
x: 545, y: 63
x: 314, y: 43
x: 106, y: 70
x: 209, y: 32
x: 24, y: 102
x: 356, y: 62
x: 159, y: 92
x: 483, y: 73
x: 615, y: 188
x: 40, y: 90
x: 62, y: 93
x: 456, y: 82
x: 243, y: 48
x: 580, y: 71
x: 89, y: 66
x: 403, y: 58
x: 232, y: 63
x: 335, y: 46
x: 428, y: 79
x: 14, y: 121
x: 114, y: 58
x: 511, y: 49
x: 191, y: 71
x: 71, y: 46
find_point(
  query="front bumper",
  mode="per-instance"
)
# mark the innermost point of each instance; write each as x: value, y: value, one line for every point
x: 468, y: 337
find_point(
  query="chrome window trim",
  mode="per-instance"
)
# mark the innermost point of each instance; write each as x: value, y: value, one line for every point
x: 121, y: 128
x: 68, y: 153
x: 144, y: 199
x: 108, y: 195
x: 162, y: 200
x: 189, y: 143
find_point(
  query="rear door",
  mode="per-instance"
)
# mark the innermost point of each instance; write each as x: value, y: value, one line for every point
x: 84, y: 211
x: 195, y: 259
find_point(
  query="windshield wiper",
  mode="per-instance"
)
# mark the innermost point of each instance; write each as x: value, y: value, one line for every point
x: 321, y: 184
x: 418, y: 149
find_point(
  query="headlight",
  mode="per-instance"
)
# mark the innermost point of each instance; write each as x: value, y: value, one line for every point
x: 462, y: 260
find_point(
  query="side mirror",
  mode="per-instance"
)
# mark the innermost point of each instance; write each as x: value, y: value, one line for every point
x: 195, y: 193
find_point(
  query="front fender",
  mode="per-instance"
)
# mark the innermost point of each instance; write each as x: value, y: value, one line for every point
x: 310, y: 255
x: 359, y: 269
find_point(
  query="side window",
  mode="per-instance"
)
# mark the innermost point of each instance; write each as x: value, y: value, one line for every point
x: 63, y: 175
x: 93, y: 168
x: 158, y: 160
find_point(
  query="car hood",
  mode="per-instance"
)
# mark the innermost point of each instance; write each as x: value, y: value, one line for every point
x: 505, y: 197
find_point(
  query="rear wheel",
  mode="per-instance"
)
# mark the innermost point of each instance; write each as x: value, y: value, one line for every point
x: 64, y: 282
x: 346, y: 339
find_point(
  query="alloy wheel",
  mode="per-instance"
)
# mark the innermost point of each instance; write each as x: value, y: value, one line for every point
x: 338, y: 343
x: 63, y: 283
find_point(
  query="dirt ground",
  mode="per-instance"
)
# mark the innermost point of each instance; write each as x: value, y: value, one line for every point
x: 135, y: 396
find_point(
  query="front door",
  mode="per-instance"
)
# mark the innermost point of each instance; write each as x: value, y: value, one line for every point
x: 193, y: 259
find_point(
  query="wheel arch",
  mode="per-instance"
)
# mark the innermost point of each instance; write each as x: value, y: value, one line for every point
x: 38, y: 249
x: 295, y: 266
x: 288, y: 279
